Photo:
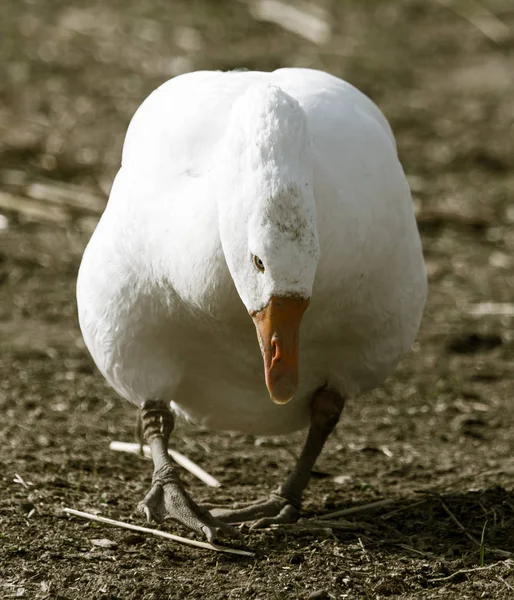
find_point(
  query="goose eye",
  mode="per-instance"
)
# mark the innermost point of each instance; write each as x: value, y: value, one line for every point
x: 258, y: 263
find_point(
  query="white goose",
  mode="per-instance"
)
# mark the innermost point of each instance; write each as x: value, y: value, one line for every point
x: 251, y: 193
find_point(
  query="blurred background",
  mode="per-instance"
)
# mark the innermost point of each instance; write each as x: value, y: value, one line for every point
x: 72, y: 73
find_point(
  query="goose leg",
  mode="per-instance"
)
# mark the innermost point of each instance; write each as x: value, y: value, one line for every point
x: 283, y: 505
x: 168, y: 498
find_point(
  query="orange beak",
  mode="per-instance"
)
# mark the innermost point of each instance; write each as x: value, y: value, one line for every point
x: 278, y: 331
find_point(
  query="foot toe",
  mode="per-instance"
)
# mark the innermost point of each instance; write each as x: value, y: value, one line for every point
x: 261, y: 514
x: 152, y: 505
x: 170, y: 500
x: 288, y: 514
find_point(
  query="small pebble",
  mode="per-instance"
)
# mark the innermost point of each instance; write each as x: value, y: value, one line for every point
x: 319, y: 595
x: 104, y: 543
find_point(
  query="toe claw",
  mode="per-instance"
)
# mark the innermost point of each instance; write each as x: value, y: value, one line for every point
x: 262, y: 523
x: 151, y: 505
x: 211, y: 533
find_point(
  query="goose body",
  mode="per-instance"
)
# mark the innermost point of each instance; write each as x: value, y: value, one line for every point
x: 276, y: 196
x: 158, y: 306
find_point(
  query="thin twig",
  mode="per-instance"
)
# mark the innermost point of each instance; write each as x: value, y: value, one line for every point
x: 500, y: 552
x: 33, y: 209
x: 302, y: 18
x: 19, y: 479
x: 503, y: 581
x: 480, y: 17
x: 69, y: 196
x: 458, y: 523
x: 403, y: 508
x: 484, y: 509
x: 340, y: 525
x: 364, y: 551
x: 156, y: 532
x: 486, y: 309
x: 357, y: 509
x: 465, y: 571
x: 482, y: 545
x: 250, y: 576
x: 179, y: 458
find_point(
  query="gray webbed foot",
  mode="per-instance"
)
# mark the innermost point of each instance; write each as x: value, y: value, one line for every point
x: 283, y: 505
x: 170, y: 500
x: 263, y: 513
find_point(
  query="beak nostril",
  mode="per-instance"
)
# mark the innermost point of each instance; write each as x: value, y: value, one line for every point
x: 278, y: 325
x: 275, y: 349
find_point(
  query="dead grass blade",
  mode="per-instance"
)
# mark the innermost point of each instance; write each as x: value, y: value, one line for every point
x: 392, y: 513
x: 341, y: 525
x: 179, y: 458
x: 19, y: 479
x: 480, y: 17
x: 305, y: 19
x: 33, y: 209
x: 475, y: 570
x: 156, y: 532
x: 357, y: 509
x: 486, y: 309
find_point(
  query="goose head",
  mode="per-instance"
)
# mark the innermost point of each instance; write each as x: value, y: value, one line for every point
x: 267, y: 222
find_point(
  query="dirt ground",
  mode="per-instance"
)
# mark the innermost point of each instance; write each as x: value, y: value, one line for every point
x: 436, y: 440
